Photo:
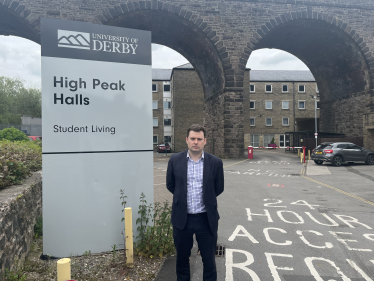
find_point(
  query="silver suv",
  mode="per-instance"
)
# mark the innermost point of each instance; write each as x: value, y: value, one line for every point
x: 339, y: 152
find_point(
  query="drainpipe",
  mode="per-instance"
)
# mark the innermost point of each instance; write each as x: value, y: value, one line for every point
x: 294, y: 104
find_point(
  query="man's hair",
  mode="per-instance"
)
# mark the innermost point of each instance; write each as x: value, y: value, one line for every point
x: 196, y: 128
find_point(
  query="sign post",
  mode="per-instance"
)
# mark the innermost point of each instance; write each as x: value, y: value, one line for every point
x: 97, y: 132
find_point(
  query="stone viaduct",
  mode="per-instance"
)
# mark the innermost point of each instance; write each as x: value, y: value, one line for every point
x: 334, y: 38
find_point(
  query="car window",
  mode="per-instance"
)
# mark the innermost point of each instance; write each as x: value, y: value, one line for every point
x: 353, y: 146
x: 325, y: 146
x: 343, y: 145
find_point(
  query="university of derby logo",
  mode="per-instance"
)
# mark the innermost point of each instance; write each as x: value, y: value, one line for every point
x: 73, y: 39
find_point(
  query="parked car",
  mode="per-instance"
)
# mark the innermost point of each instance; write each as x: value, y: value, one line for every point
x: 339, y: 152
x: 32, y: 138
x: 163, y: 147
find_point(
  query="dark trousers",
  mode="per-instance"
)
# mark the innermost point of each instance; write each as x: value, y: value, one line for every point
x: 207, y: 241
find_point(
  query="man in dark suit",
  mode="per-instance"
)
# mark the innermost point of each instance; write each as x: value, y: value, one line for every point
x: 196, y: 179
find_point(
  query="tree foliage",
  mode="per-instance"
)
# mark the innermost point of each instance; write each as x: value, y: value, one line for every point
x: 16, y: 100
x: 13, y: 134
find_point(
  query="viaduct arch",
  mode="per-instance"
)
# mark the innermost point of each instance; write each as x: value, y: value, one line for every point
x: 334, y: 38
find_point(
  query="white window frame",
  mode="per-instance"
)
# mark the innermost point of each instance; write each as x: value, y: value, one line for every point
x: 163, y: 87
x: 271, y: 104
x: 254, y: 104
x: 156, y: 104
x: 271, y: 119
x: 282, y: 88
x: 298, y: 88
x: 304, y: 104
x: 154, y: 122
x: 317, y: 90
x: 254, y: 121
x: 163, y: 104
x: 156, y: 87
x: 254, y: 88
x: 156, y: 140
x: 271, y: 86
x: 288, y: 107
x: 288, y: 121
x: 318, y: 104
x: 167, y: 119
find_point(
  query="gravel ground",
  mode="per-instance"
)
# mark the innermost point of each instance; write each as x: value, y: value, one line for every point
x: 90, y: 267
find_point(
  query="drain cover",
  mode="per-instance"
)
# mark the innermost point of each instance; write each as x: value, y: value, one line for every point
x: 220, y: 251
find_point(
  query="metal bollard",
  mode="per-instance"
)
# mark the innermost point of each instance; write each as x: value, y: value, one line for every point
x: 63, y: 269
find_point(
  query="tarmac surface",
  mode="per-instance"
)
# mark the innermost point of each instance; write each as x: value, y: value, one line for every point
x: 283, y: 220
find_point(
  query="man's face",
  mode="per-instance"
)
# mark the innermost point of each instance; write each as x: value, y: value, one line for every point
x: 195, y: 142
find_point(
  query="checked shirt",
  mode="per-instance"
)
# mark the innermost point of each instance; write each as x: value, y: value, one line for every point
x: 195, y: 202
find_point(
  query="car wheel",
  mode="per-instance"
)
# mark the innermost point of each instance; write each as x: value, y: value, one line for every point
x: 337, y: 161
x: 318, y: 162
x: 370, y: 160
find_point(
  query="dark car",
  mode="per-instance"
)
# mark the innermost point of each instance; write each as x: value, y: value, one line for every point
x: 339, y: 152
x: 163, y: 147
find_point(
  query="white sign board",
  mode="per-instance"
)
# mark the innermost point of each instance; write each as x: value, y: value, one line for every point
x: 97, y: 132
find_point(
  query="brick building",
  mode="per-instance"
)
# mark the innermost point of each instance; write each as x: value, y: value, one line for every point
x: 161, y: 104
x: 278, y: 101
x: 274, y: 102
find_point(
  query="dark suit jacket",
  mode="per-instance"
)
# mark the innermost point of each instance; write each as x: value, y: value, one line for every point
x: 176, y: 183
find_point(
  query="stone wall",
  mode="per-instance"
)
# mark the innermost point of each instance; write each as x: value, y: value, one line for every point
x: 368, y: 121
x: 214, y: 123
x: 20, y: 205
x: 347, y: 112
x: 188, y: 104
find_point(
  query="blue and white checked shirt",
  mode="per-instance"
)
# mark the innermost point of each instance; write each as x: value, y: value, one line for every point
x: 195, y: 202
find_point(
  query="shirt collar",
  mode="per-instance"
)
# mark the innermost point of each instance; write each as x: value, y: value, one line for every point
x: 188, y: 155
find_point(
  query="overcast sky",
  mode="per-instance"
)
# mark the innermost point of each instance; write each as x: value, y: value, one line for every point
x: 21, y: 58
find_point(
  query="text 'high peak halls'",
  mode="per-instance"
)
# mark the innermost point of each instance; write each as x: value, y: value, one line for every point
x: 97, y: 42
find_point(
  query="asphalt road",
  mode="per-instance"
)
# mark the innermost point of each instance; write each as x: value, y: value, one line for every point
x: 281, y: 222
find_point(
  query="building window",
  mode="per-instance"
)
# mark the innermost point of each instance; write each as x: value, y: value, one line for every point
x: 285, y: 88
x: 269, y: 121
x: 268, y: 104
x: 167, y: 122
x: 252, y: 88
x: 155, y: 139
x: 285, y: 104
x: 167, y: 104
x: 155, y: 122
x: 317, y: 104
x: 155, y: 104
x: 301, y: 104
x: 154, y: 87
x: 268, y: 88
x: 268, y: 138
x: 252, y: 105
x: 166, y: 87
x: 317, y: 90
x: 167, y: 139
x: 255, y: 140
x: 252, y: 121
x: 301, y: 88
x: 285, y: 121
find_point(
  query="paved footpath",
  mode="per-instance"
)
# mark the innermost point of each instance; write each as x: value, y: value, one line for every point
x: 282, y: 221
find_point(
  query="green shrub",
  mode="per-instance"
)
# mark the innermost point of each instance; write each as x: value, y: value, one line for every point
x: 18, y: 160
x: 13, y: 134
x: 155, y: 240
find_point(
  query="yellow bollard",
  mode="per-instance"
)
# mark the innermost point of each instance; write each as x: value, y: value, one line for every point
x: 301, y: 157
x: 63, y: 269
x: 128, y: 235
x: 298, y: 152
x: 308, y: 154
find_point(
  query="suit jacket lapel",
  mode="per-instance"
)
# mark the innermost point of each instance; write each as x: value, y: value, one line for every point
x: 206, y: 171
x: 184, y: 170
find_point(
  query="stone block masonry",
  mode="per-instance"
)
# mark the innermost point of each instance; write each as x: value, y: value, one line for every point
x: 20, y: 205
